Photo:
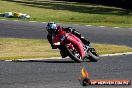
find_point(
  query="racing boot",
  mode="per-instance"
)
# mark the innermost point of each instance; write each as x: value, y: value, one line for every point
x: 63, y: 55
x: 84, y: 40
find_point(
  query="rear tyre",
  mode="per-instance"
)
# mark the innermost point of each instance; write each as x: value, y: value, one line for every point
x: 74, y: 54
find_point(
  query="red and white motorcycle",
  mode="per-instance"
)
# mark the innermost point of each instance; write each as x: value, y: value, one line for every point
x: 72, y: 46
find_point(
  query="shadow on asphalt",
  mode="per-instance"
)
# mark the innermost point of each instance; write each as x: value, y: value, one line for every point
x: 47, y: 61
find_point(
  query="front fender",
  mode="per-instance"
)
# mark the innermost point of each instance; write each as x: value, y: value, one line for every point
x: 78, y: 43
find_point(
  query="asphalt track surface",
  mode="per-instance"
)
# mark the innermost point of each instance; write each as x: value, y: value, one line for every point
x: 64, y: 73
x: 35, y: 30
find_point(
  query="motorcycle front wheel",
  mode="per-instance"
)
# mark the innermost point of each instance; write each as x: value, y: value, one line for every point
x: 74, y: 53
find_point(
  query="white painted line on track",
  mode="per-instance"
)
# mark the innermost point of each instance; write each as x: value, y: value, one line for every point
x: 116, y: 27
x: 101, y: 26
x: 32, y: 21
x: 8, y: 60
x: 16, y: 20
x: 116, y: 54
x: 43, y: 22
x: 35, y: 59
x: 76, y: 24
x: 73, y: 24
x: 129, y: 28
x: 88, y: 25
x: 40, y: 59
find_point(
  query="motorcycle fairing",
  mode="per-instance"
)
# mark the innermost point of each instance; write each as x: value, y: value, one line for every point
x: 77, y: 42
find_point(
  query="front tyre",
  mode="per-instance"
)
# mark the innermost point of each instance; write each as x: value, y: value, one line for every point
x: 74, y: 53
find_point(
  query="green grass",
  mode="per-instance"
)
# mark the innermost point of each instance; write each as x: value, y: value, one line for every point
x: 69, y: 12
x: 64, y: 12
x: 14, y: 48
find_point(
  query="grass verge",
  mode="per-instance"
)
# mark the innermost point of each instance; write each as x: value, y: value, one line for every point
x: 14, y: 48
x: 69, y: 12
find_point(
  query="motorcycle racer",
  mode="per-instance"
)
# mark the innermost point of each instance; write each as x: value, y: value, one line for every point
x: 52, y: 29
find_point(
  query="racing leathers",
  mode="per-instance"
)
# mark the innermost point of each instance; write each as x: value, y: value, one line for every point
x: 69, y: 29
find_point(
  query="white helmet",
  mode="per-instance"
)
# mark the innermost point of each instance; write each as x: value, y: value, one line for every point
x: 51, y: 26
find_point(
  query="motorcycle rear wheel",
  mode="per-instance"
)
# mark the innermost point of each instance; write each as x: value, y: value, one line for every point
x: 93, y: 56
